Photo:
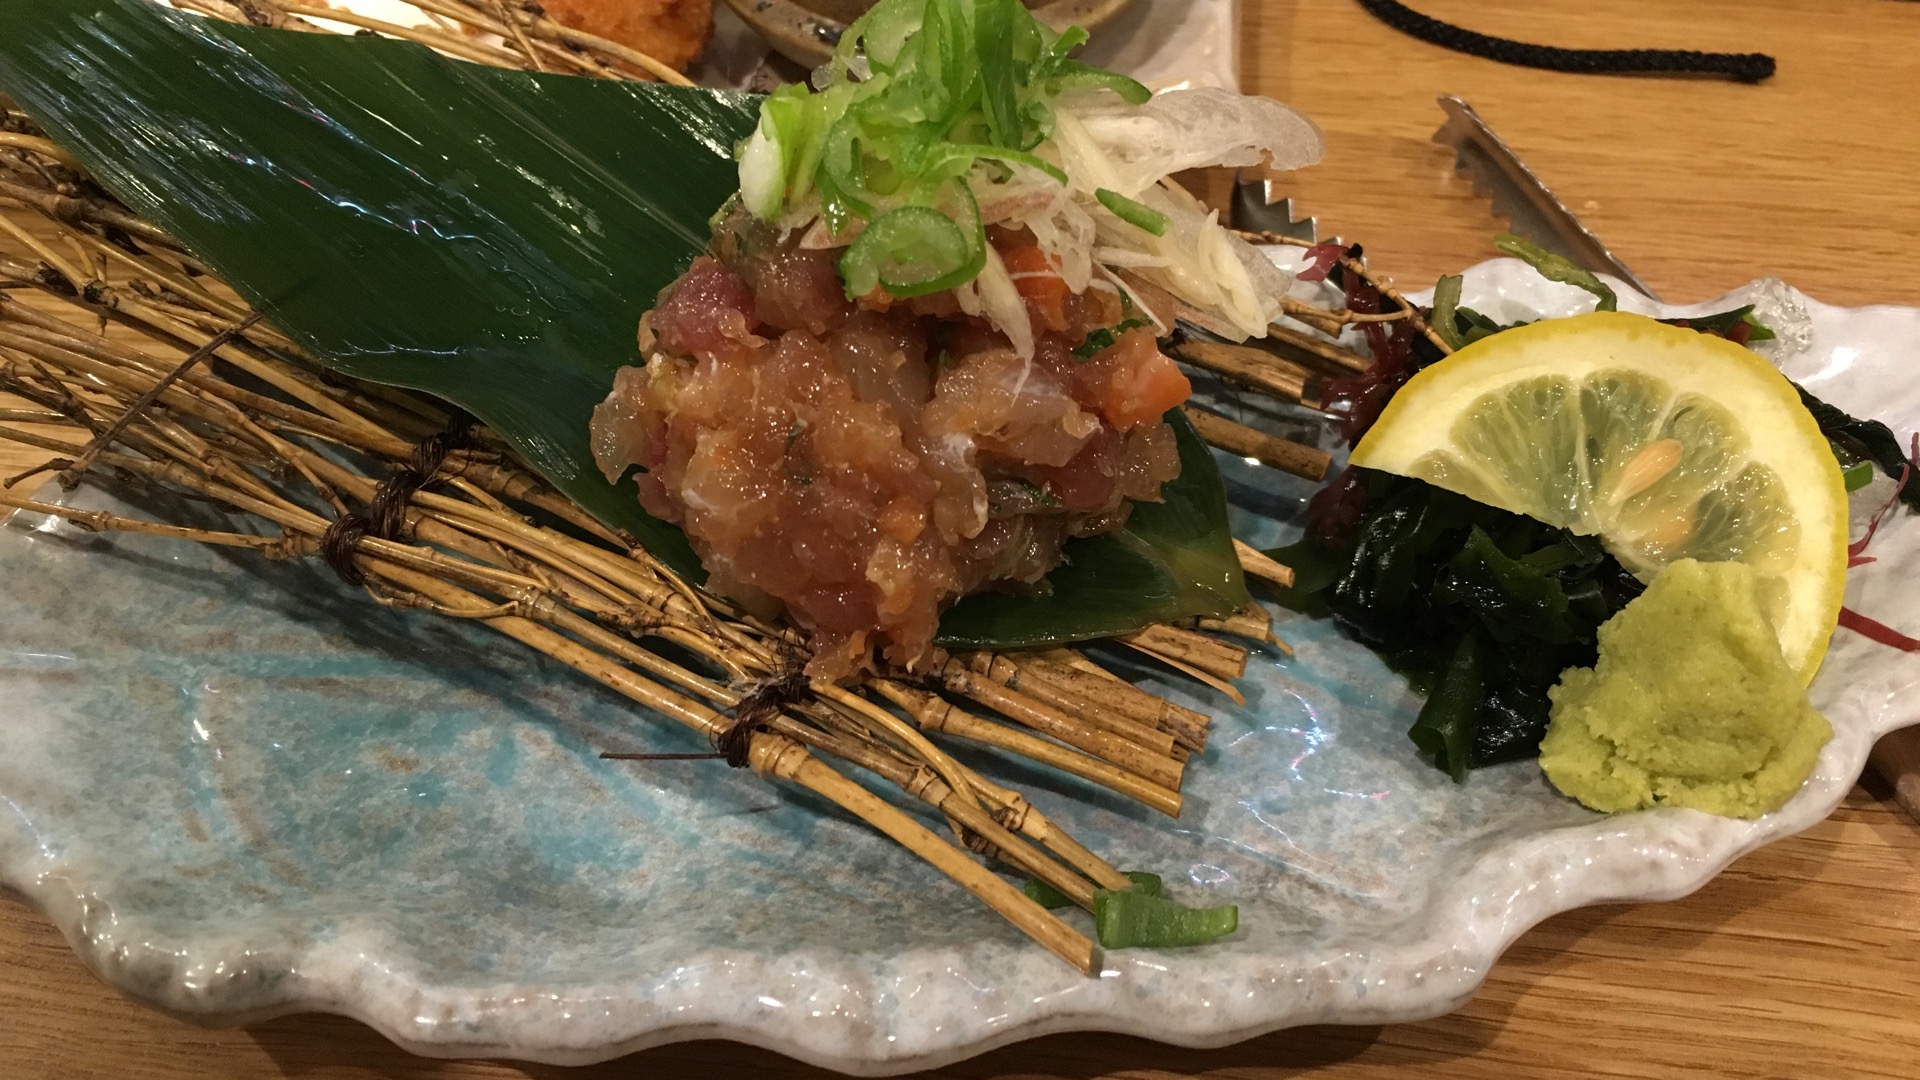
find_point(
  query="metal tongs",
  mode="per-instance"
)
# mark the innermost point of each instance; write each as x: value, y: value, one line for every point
x: 1530, y: 206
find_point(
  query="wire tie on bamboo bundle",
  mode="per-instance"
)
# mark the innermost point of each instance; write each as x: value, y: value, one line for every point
x: 386, y: 516
x: 763, y: 698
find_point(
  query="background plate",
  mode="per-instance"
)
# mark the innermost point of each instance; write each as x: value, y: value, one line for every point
x: 243, y: 790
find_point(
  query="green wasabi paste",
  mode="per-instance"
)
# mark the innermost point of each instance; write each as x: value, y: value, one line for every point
x: 1690, y: 704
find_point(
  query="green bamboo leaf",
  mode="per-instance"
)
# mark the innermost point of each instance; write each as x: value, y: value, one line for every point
x: 490, y: 237
x: 487, y: 236
x: 1174, y: 559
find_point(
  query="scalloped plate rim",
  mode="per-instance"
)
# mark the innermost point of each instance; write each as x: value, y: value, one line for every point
x: 1676, y: 852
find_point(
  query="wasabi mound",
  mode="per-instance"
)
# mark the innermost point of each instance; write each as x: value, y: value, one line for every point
x: 1690, y: 704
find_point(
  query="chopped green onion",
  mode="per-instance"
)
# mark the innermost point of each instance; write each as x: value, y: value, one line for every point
x: 1045, y: 895
x: 1102, y: 339
x: 940, y: 62
x: 1556, y: 268
x: 1446, y: 303
x: 1050, y: 898
x: 1049, y: 61
x: 993, y: 30
x: 1857, y: 475
x: 921, y: 99
x: 971, y: 152
x: 762, y: 173
x: 839, y: 176
x: 1138, y: 919
x: 1075, y: 75
x: 911, y: 251
x: 879, y: 35
x: 1137, y: 214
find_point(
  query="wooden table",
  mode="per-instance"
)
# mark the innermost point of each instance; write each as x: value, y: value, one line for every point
x: 1798, y: 961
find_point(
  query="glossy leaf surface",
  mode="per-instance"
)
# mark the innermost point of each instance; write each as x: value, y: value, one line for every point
x: 1174, y: 558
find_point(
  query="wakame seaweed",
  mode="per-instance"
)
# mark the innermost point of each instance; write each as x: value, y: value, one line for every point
x: 1865, y: 440
x: 1480, y: 608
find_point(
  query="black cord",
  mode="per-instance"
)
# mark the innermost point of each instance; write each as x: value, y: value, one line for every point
x: 1740, y: 67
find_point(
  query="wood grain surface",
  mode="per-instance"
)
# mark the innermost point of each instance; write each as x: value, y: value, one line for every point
x: 1799, y: 961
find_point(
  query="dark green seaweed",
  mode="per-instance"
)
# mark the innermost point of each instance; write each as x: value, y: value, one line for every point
x: 1480, y: 608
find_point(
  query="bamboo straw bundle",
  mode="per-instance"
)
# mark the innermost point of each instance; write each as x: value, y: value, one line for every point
x: 189, y: 394
x: 130, y: 361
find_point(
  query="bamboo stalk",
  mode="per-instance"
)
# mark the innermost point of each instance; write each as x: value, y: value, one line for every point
x: 225, y: 311
x: 193, y: 338
x: 544, y: 26
x: 1211, y: 655
x: 1012, y: 810
x: 99, y: 521
x: 1109, y: 692
x: 1318, y: 352
x: 465, y: 14
x: 676, y: 628
x: 1339, y: 316
x: 519, y: 35
x: 865, y: 712
x: 1244, y: 364
x: 933, y: 713
x: 922, y: 783
x: 112, y: 362
x: 1071, y: 658
x: 1256, y: 562
x: 18, y: 275
x: 1157, y: 768
x: 791, y: 762
x: 1008, y: 674
x: 71, y: 475
x: 1250, y: 621
x: 46, y: 148
x: 41, y: 251
x: 1236, y: 438
x: 29, y: 416
x: 74, y: 210
x: 1032, y: 823
x: 1198, y: 675
x: 451, y: 44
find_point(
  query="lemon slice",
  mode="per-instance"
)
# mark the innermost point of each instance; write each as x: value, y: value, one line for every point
x: 1665, y: 443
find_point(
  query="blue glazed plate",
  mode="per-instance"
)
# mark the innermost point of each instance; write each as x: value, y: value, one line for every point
x: 244, y: 790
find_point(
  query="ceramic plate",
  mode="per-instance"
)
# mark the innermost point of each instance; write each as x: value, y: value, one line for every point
x: 243, y: 790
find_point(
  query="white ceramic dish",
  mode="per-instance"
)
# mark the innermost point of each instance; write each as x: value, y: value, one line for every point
x: 242, y: 791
